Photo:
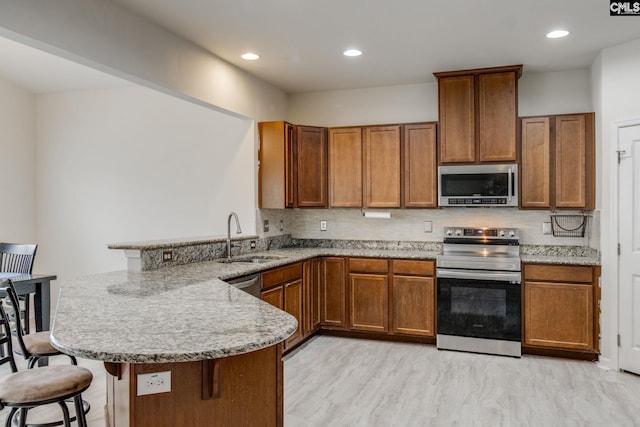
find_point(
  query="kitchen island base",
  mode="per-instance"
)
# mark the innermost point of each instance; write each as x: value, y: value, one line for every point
x: 241, y: 390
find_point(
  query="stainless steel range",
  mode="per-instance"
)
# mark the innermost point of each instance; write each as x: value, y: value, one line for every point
x: 479, y: 297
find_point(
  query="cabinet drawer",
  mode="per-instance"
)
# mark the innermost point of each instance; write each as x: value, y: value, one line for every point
x: 412, y: 268
x: 281, y: 275
x: 368, y: 265
x: 559, y: 273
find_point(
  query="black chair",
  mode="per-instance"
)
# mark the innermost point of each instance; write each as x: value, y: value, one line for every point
x: 31, y: 388
x: 32, y: 347
x: 19, y: 258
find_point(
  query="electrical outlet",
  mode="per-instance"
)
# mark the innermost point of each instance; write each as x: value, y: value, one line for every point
x: 155, y: 382
x: 167, y: 256
x: 428, y: 226
x: 265, y: 228
x: 252, y: 244
x: 323, y: 225
x: 546, y: 228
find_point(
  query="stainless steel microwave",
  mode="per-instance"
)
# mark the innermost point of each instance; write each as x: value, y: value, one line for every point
x: 478, y: 185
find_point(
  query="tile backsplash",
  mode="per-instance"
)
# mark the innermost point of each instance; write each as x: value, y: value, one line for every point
x: 409, y: 224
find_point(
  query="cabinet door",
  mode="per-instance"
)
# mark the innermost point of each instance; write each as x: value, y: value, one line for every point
x: 312, y: 276
x: 457, y: 119
x: 274, y: 296
x: 345, y: 167
x: 311, y: 167
x: 293, y: 306
x: 420, y: 166
x: 334, y: 302
x: 535, y: 171
x: 381, y: 162
x: 497, y: 117
x: 559, y: 315
x: 571, y: 162
x: 275, y: 165
x: 413, y: 306
x: 369, y: 307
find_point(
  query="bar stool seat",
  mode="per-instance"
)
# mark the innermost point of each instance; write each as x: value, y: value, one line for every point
x: 48, y: 384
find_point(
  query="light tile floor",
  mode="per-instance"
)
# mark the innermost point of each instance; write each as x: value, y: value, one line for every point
x: 338, y: 382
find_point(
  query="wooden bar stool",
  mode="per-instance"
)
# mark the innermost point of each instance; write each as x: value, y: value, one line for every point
x: 24, y: 390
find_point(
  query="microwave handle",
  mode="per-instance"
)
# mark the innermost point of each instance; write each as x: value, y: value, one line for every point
x: 510, y: 185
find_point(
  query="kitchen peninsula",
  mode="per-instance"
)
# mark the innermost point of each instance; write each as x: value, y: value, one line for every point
x: 215, y: 348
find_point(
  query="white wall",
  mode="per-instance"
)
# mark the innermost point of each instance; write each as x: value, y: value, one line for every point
x: 617, y: 88
x: 134, y: 164
x: 17, y: 163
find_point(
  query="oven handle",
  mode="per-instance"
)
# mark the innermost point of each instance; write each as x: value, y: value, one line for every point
x: 499, y: 276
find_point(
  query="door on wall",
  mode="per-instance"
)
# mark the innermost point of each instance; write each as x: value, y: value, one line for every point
x: 629, y: 239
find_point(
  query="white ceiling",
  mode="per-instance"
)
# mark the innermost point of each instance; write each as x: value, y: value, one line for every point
x: 404, y: 41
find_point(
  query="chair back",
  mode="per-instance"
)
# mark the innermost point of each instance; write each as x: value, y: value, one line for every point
x: 5, y: 333
x: 17, y: 257
x: 11, y: 310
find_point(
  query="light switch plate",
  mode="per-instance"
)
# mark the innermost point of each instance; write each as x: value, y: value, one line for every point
x: 323, y: 225
x: 546, y: 228
x: 154, y: 382
x: 428, y: 227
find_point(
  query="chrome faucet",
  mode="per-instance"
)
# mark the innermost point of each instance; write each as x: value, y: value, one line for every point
x: 238, y: 231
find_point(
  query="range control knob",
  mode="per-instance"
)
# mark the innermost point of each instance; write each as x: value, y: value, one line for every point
x: 501, y: 233
x: 449, y: 232
x: 458, y: 232
x: 512, y: 233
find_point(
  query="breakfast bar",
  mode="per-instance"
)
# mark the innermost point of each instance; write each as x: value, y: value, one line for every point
x: 180, y: 349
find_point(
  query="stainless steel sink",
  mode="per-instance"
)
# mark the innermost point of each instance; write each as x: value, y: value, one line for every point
x: 257, y: 259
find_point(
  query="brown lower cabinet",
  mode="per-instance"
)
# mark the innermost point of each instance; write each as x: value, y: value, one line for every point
x: 397, y: 298
x: 560, y: 309
x: 282, y: 287
x: 413, y: 298
x: 333, y: 296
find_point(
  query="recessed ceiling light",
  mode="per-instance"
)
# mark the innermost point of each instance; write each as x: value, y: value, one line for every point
x: 249, y: 56
x: 557, y: 34
x: 352, y: 52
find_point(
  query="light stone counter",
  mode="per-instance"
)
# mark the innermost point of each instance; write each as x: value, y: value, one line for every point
x: 172, y: 315
x: 186, y: 313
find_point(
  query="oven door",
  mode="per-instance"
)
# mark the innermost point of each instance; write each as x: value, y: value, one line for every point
x: 479, y: 304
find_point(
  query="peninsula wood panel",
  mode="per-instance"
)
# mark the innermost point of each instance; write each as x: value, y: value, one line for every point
x: 497, y: 117
x: 333, y: 293
x: 345, y: 167
x: 381, y: 163
x: 456, y: 109
x: 311, y: 167
x: 369, y: 302
x: 420, y: 166
x: 250, y: 393
x: 535, y: 170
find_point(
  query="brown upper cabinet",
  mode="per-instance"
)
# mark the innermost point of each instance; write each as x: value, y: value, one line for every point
x: 420, y: 166
x: 558, y: 162
x: 478, y: 112
x: 293, y: 166
x: 381, y: 164
x: 345, y: 167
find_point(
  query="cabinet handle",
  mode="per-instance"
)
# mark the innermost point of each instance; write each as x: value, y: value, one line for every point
x: 210, y: 379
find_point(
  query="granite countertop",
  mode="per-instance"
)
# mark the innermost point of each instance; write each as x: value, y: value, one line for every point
x: 186, y: 312
x: 174, y: 315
